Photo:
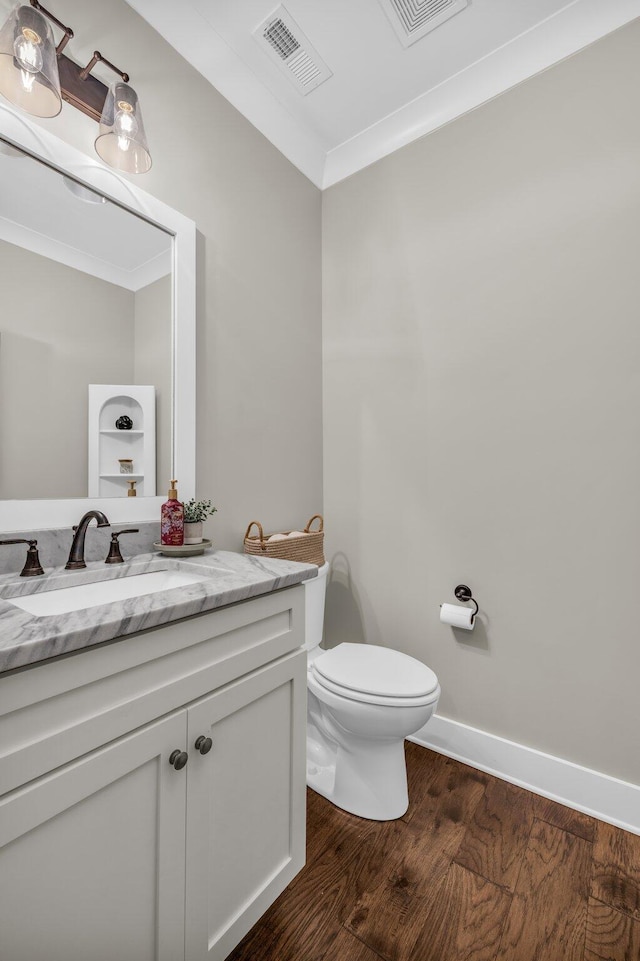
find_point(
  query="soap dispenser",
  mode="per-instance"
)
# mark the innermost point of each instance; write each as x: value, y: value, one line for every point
x: 172, y: 519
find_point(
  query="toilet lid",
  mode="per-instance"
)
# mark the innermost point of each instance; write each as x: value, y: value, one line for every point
x: 370, y: 669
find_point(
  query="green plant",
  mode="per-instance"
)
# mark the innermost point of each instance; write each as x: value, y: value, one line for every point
x: 195, y: 511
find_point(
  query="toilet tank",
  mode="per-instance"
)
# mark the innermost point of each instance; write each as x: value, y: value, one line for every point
x: 315, y: 592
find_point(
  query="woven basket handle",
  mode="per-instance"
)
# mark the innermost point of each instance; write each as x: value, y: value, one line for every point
x: 309, y: 523
x: 259, y: 526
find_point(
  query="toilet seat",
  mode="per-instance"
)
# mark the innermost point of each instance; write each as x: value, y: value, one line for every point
x: 375, y: 675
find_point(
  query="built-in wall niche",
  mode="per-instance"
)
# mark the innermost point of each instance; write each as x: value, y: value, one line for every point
x: 119, y: 455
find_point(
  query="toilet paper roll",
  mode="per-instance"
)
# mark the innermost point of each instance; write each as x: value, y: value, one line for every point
x: 457, y: 616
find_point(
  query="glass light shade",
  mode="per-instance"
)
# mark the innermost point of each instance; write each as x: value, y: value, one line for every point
x: 122, y: 142
x: 28, y: 63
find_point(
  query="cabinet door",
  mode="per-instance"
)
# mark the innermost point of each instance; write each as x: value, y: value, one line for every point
x: 92, y: 856
x: 245, y: 804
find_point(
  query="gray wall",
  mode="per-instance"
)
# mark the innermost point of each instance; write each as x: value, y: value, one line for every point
x: 259, y: 415
x: 482, y: 395
x: 51, y: 347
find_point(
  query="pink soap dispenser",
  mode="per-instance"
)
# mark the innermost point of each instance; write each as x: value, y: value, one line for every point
x: 172, y: 519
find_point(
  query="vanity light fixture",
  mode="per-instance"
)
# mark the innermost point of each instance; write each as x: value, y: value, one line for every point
x: 36, y: 76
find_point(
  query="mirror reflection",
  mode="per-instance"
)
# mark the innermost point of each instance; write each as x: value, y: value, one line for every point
x: 85, y: 340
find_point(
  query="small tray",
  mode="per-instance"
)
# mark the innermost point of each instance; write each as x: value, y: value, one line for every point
x: 185, y: 550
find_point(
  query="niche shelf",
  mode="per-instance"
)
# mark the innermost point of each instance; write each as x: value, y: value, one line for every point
x: 107, y: 444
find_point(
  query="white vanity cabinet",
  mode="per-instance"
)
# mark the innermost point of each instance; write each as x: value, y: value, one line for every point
x: 109, y: 851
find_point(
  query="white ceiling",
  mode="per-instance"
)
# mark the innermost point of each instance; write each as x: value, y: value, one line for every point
x: 40, y: 213
x: 381, y: 95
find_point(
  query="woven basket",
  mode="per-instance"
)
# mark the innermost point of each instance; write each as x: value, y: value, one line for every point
x: 307, y: 548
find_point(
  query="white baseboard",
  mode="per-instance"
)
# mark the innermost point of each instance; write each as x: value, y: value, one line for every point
x: 599, y: 795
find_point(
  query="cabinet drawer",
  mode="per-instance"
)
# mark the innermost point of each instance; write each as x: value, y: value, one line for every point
x: 54, y: 712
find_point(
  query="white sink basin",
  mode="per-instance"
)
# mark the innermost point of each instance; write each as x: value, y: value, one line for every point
x: 80, y: 596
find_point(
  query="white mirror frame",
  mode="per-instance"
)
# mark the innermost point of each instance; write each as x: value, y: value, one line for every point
x: 27, y: 515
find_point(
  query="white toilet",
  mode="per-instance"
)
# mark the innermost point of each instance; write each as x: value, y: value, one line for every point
x: 363, y: 701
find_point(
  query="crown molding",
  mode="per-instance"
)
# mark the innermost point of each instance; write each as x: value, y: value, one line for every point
x: 560, y: 36
x: 133, y: 279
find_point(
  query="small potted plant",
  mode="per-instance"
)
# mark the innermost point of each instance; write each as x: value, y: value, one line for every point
x: 195, y: 512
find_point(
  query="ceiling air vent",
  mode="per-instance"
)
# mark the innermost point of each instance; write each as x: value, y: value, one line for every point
x: 412, y: 19
x: 285, y: 43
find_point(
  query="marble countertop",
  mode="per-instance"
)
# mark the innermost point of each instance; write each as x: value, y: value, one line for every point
x: 26, y: 639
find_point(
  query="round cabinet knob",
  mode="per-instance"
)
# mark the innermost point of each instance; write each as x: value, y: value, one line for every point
x: 203, y: 744
x: 178, y: 759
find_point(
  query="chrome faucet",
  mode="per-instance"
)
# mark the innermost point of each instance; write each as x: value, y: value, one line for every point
x: 76, y: 554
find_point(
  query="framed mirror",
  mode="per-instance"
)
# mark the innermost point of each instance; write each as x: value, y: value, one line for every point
x: 97, y: 324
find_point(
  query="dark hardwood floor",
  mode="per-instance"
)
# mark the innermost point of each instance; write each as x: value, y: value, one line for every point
x: 476, y: 870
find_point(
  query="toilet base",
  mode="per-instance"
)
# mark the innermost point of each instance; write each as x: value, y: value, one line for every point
x: 355, y: 748
x: 369, y: 781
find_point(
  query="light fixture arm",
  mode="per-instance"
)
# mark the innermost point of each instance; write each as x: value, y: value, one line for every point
x: 98, y: 58
x: 68, y: 35
x: 68, y: 32
x: 78, y: 85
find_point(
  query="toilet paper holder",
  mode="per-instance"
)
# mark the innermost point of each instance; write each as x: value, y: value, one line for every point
x: 463, y: 593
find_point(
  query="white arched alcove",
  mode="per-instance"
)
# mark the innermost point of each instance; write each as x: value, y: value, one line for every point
x: 108, y: 444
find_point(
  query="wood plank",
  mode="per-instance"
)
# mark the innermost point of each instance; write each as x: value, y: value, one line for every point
x: 329, y: 826
x: 388, y: 916
x: 345, y: 948
x: 616, y: 869
x: 565, y: 818
x: 495, y: 841
x: 453, y: 792
x: 463, y: 919
x: 548, y: 913
x: 611, y: 935
x: 335, y: 944
x: 423, y: 766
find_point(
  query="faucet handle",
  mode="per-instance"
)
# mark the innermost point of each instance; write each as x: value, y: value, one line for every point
x: 114, y: 556
x: 32, y: 564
